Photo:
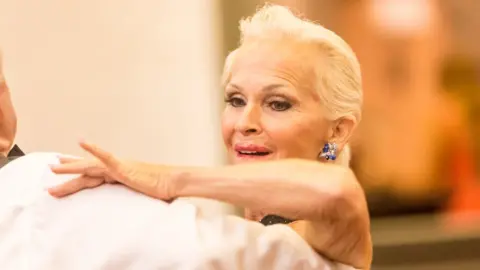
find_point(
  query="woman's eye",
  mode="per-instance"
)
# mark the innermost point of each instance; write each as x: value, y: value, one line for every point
x: 235, y: 102
x: 280, y: 105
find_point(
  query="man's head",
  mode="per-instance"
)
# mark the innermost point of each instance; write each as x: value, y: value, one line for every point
x: 8, y: 118
x: 291, y: 87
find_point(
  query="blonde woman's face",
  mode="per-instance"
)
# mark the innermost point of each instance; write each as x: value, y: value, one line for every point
x: 272, y: 109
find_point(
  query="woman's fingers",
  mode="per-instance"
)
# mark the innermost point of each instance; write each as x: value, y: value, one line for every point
x: 90, y: 168
x: 64, y: 160
x: 105, y: 157
x: 93, y: 173
x: 75, y: 185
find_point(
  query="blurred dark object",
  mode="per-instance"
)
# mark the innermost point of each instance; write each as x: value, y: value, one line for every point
x: 382, y: 203
x: 460, y: 74
x: 461, y: 81
x: 272, y: 219
x: 16, y: 152
x: 424, y: 242
x: 385, y: 201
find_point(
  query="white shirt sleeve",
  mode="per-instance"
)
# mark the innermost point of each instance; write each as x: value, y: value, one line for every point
x: 112, y: 227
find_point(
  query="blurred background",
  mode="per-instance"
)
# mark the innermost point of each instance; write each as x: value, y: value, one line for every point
x: 150, y: 71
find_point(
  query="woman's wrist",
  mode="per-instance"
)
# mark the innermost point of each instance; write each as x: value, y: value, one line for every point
x: 186, y: 181
x: 190, y: 182
x: 214, y: 183
x: 178, y: 178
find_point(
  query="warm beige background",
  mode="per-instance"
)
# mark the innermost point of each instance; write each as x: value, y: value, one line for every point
x: 139, y: 78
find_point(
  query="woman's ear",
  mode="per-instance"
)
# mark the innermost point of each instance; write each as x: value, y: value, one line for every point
x: 342, y: 130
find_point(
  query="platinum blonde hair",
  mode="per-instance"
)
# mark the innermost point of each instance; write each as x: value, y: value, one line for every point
x: 338, y: 76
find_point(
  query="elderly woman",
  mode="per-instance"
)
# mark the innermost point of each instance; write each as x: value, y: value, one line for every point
x: 293, y: 98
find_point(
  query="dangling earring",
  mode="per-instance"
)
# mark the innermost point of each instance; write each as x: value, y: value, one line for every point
x: 329, y: 151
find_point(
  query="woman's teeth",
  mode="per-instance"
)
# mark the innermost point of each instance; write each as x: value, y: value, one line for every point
x: 253, y: 153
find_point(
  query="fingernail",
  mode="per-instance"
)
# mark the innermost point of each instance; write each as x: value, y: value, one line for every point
x: 52, y: 192
x: 82, y: 141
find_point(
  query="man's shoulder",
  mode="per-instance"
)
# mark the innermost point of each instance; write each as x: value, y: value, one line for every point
x: 15, y: 153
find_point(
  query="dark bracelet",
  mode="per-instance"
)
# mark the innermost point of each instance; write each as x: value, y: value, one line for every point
x: 272, y: 219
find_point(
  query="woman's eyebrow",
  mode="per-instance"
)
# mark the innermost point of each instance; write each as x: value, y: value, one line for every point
x: 267, y: 88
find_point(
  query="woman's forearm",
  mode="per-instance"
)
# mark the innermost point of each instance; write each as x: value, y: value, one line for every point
x: 276, y: 187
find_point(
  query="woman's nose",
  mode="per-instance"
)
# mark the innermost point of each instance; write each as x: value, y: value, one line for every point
x: 249, y: 121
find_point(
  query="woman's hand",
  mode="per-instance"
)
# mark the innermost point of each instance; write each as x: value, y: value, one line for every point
x: 151, y: 180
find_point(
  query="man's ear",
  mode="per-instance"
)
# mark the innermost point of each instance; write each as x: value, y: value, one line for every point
x: 342, y: 130
x: 8, y: 118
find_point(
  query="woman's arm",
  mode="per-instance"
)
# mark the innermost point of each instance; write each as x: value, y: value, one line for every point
x: 326, y: 198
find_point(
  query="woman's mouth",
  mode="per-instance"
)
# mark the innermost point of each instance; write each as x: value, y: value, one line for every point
x: 252, y: 151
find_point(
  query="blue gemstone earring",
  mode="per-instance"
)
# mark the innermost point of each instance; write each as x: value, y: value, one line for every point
x: 329, y: 151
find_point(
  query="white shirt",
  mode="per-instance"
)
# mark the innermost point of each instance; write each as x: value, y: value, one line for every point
x: 113, y: 227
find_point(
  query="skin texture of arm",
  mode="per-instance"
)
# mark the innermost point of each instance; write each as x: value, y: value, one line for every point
x: 327, y: 201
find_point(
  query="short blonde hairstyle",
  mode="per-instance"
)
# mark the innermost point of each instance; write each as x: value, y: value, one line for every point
x: 339, y: 82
